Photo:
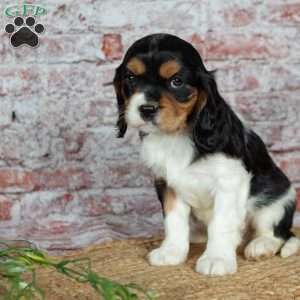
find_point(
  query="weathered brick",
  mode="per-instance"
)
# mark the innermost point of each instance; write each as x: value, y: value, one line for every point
x: 153, y: 18
x: 56, y: 49
x: 5, y: 208
x: 19, y: 144
x: 112, y: 46
x: 71, y: 220
x: 74, y: 143
x: 45, y: 203
x: 68, y: 81
x: 272, y: 118
x: 268, y: 107
x: 6, y: 109
x: 18, y: 180
x: 141, y: 201
x: 290, y: 164
x: 237, y: 16
x: 66, y: 180
x: 121, y: 201
x: 257, y: 76
x: 285, y: 14
x: 218, y: 46
x: 126, y: 174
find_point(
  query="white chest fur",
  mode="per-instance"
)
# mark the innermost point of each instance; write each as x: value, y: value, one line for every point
x: 167, y: 155
x: 170, y: 157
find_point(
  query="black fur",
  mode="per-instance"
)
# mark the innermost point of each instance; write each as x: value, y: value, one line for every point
x: 282, y: 229
x: 121, y: 123
x: 160, y: 187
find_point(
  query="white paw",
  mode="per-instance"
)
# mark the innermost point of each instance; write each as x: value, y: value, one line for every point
x: 262, y: 247
x: 216, y: 266
x: 291, y: 247
x: 167, y: 256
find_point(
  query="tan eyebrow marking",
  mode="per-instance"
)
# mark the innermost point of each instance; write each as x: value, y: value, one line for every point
x: 136, y: 66
x: 169, y: 68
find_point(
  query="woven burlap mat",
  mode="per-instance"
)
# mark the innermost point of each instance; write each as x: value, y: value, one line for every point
x: 124, y: 261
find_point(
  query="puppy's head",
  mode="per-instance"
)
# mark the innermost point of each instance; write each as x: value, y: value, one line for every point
x: 161, y: 83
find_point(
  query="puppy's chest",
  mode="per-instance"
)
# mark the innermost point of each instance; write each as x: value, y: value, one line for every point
x: 167, y: 156
x: 170, y: 157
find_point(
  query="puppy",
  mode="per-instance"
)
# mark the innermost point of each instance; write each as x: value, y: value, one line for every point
x: 208, y: 166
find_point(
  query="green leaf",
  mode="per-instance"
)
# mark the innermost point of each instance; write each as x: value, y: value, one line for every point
x: 15, y: 262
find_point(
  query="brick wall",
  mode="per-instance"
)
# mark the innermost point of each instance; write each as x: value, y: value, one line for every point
x: 65, y: 181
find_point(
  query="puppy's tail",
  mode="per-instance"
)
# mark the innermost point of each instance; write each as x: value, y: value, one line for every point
x: 290, y: 247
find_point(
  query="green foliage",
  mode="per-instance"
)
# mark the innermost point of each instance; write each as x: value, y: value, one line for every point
x: 18, y: 275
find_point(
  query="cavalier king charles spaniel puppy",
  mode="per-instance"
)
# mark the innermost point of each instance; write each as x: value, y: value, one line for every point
x: 209, y: 167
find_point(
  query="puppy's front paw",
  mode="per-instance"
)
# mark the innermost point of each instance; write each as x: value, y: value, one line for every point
x: 167, y: 256
x: 262, y: 247
x: 216, y: 266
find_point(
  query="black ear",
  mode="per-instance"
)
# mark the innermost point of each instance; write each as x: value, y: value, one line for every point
x: 121, y: 123
x: 210, y: 130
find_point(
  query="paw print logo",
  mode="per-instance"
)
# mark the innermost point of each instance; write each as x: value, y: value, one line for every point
x: 24, y: 33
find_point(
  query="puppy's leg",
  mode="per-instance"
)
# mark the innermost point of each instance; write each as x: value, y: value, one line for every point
x: 224, y: 229
x: 272, y: 225
x: 174, y: 249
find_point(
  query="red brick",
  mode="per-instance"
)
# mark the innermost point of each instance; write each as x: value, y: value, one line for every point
x: 285, y: 13
x: 103, y: 112
x: 114, y: 201
x: 21, y: 180
x: 284, y: 77
x: 42, y: 204
x: 5, y: 208
x: 58, y: 227
x: 57, y: 81
x: 271, y: 135
x: 112, y: 46
x: 70, y: 178
x: 291, y: 166
x: 243, y: 77
x: 270, y: 116
x: 239, y: 16
x: 113, y: 149
x: 126, y: 174
x: 247, y: 76
x: 266, y: 108
x: 16, y: 178
x: 217, y: 46
x: 73, y: 144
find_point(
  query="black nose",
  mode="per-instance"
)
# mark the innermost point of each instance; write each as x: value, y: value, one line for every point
x: 147, y: 111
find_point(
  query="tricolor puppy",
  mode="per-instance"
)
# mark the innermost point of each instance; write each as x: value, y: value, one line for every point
x: 208, y: 166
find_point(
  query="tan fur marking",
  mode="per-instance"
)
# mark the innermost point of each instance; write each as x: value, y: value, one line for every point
x: 169, y: 68
x: 169, y: 200
x: 173, y: 114
x: 136, y: 66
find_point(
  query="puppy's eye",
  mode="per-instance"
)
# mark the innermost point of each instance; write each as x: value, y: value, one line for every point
x: 176, y: 82
x: 130, y: 77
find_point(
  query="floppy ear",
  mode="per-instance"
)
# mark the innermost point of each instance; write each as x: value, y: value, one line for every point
x: 121, y: 123
x: 210, y: 130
